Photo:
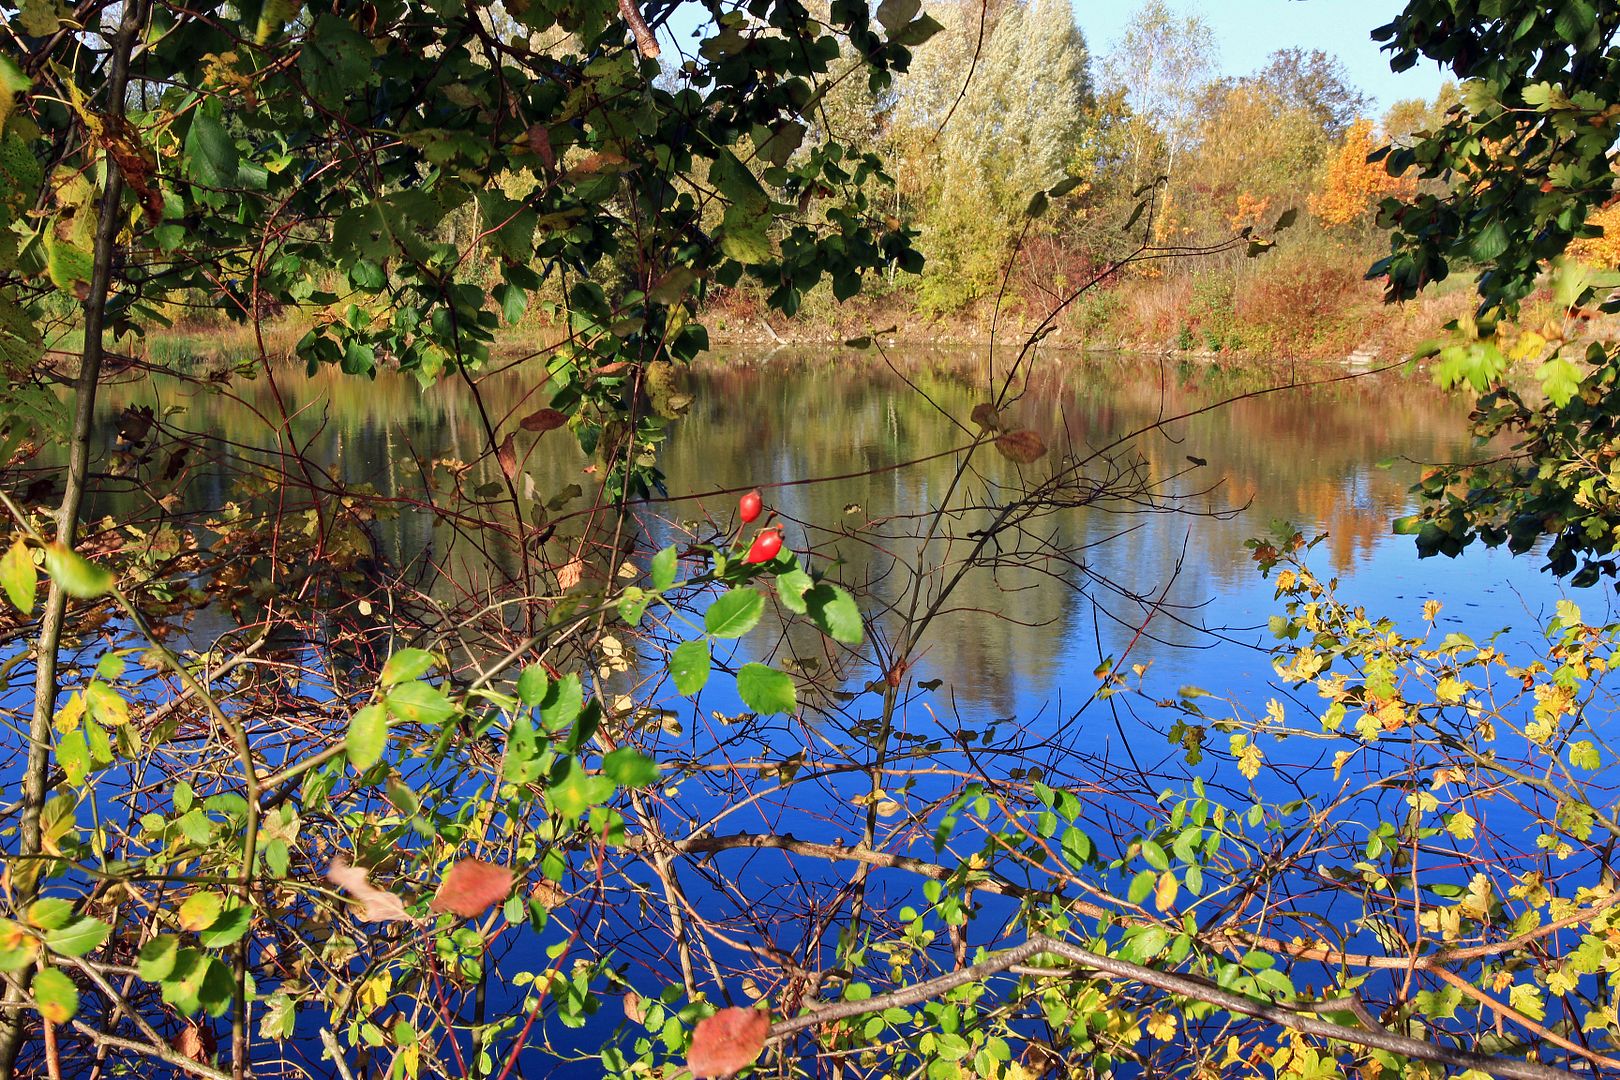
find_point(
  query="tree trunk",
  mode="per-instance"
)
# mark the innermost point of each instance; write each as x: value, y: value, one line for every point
x: 25, y: 869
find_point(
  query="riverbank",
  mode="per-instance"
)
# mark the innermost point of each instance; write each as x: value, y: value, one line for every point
x: 1284, y: 313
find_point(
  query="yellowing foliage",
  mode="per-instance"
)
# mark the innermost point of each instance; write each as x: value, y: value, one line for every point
x: 1352, y: 185
x: 1602, y: 251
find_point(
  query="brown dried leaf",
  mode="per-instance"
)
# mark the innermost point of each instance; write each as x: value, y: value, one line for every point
x: 985, y: 415
x: 590, y: 164
x: 543, y: 421
x: 548, y: 893
x: 728, y: 1042
x: 570, y: 573
x: 540, y: 143
x: 196, y: 1043
x: 507, y: 456
x: 633, y: 1011
x: 376, y: 905
x: 1021, y: 446
x: 471, y: 886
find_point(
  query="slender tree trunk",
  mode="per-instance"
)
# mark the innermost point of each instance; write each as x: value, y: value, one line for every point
x: 25, y: 869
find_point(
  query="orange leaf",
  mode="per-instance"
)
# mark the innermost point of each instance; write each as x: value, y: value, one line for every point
x: 471, y: 886
x: 543, y: 421
x: 507, y: 456
x: 728, y: 1042
x: 196, y: 1043
x: 377, y: 905
x: 1021, y: 446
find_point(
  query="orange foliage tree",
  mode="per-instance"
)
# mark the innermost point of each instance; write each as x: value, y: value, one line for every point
x: 1353, y: 186
x: 1601, y: 251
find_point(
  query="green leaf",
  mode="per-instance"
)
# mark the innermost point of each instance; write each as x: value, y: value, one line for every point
x: 791, y: 587
x: 407, y: 664
x: 1145, y: 944
x: 735, y: 613
x: 273, y: 15
x: 563, y: 703
x: 18, y: 576
x: 78, y: 937
x: 368, y: 733
x: 51, y: 913
x: 834, y: 611
x: 76, y: 575
x: 532, y: 685
x: 335, y: 63
x: 58, y: 998
x: 893, y: 15
x: 689, y: 665
x: 629, y: 767
x: 578, y: 791
x: 420, y: 703
x: 766, y: 690
x: 1584, y: 755
x: 211, y: 157
x: 1560, y: 380
x: 663, y: 569
x: 916, y: 32
x: 72, y: 753
x: 228, y: 928
x: 1489, y: 242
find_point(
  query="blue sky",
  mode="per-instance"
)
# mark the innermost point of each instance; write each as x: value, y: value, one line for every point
x: 1250, y: 30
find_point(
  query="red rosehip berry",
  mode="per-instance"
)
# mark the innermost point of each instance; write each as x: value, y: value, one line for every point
x: 765, y: 546
x: 748, y: 507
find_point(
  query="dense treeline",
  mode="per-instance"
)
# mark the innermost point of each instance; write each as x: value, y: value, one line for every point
x: 1011, y: 99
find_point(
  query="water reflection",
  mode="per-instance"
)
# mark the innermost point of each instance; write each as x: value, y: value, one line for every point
x: 1308, y: 455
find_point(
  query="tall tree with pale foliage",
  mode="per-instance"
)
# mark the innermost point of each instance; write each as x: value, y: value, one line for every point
x: 991, y: 112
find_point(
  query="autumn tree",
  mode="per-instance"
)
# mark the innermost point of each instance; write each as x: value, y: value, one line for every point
x: 1352, y: 184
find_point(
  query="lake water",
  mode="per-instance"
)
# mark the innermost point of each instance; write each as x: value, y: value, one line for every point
x: 1158, y: 576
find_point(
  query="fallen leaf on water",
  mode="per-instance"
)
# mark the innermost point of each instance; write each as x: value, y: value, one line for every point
x: 376, y: 905
x: 471, y: 886
x: 728, y: 1042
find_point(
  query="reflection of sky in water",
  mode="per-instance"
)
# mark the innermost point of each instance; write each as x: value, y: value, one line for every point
x: 1306, y: 458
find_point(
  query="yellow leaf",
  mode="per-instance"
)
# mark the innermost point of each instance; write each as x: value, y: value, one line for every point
x: 1164, y: 894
